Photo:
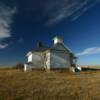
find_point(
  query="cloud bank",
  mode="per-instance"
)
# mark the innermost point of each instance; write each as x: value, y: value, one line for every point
x: 58, y: 10
x: 6, y: 14
x: 6, y: 19
x: 2, y: 46
x: 89, y: 51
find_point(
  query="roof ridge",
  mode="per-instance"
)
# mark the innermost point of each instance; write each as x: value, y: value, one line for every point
x: 67, y: 47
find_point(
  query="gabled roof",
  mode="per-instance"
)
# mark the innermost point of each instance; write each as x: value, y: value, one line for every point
x: 61, y: 46
x: 40, y: 49
x: 37, y: 50
x: 58, y: 47
x: 67, y: 47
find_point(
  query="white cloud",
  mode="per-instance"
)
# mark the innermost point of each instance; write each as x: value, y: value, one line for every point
x: 2, y: 46
x: 6, y: 14
x: 84, y: 10
x: 89, y: 51
x: 57, y: 10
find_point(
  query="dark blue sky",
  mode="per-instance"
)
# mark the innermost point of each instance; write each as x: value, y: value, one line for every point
x: 25, y: 22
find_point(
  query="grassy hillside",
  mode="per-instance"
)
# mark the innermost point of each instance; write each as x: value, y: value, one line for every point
x: 55, y: 85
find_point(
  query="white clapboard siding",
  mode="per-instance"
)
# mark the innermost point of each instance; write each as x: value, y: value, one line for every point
x: 30, y: 58
x: 37, y: 59
x: 59, y: 60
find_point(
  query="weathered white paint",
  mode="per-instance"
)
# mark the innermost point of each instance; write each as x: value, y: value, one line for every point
x: 72, y: 69
x: 59, y: 60
x: 48, y: 60
x: 28, y: 53
x: 27, y: 67
x: 57, y: 40
x: 30, y: 58
x: 57, y: 57
x: 38, y: 59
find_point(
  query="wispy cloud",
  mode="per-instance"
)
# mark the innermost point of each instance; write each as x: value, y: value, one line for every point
x: 2, y: 46
x: 6, y: 14
x: 57, y: 10
x: 77, y: 15
x: 89, y: 51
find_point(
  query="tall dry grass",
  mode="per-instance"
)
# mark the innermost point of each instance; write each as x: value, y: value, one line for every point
x: 54, y: 85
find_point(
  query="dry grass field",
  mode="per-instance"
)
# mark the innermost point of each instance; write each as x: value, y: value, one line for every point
x: 54, y: 85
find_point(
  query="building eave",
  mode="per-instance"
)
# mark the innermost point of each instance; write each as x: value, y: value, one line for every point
x: 29, y: 53
x: 67, y: 48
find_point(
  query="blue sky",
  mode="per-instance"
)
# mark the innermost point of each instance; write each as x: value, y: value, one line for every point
x: 25, y: 22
